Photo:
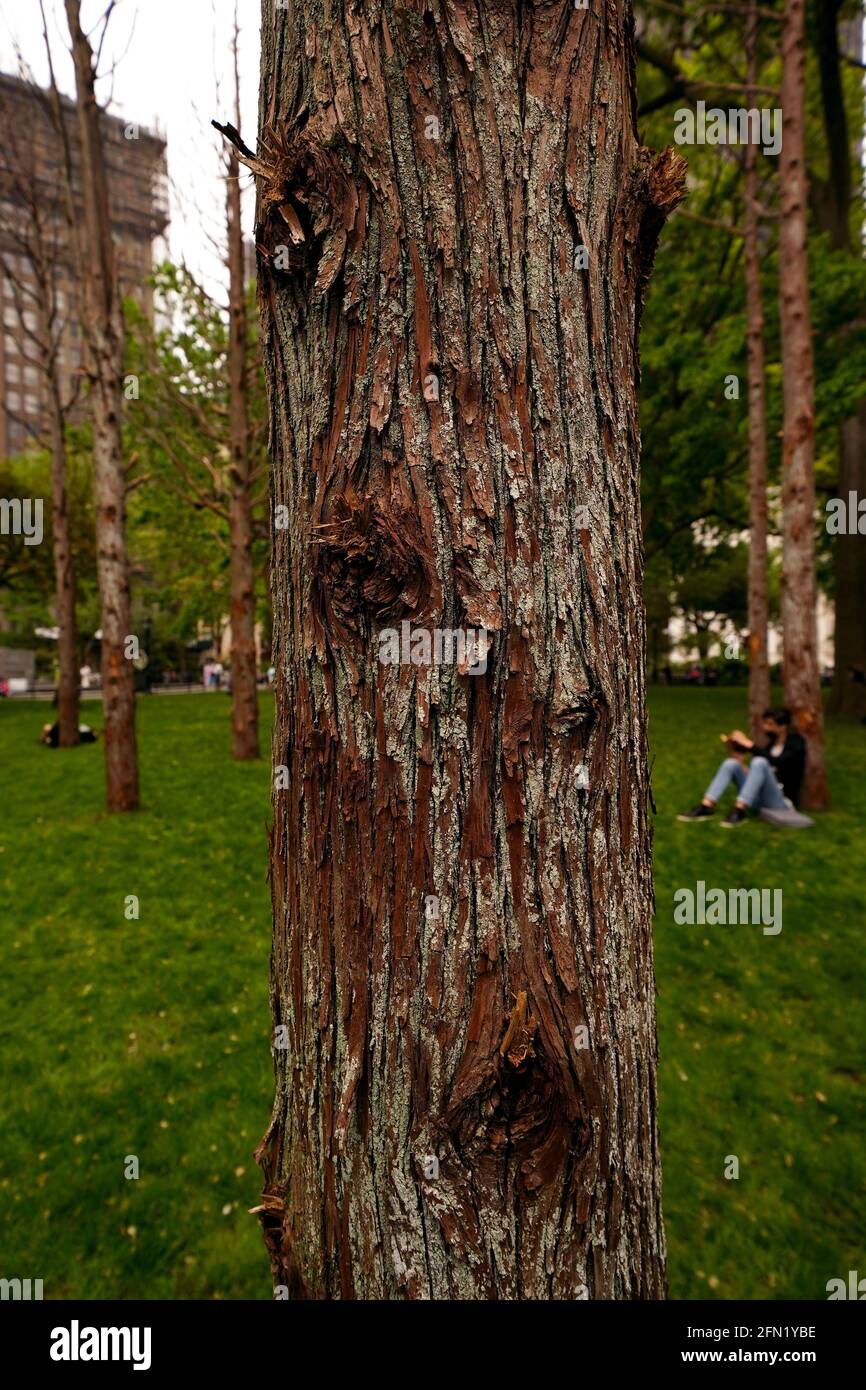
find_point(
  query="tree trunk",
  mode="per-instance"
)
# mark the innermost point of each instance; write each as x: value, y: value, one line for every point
x: 799, y: 589
x: 462, y: 981
x: 30, y: 230
x: 759, y: 669
x: 245, y: 708
x: 64, y: 578
x: 849, y: 558
x: 832, y: 201
x: 102, y: 324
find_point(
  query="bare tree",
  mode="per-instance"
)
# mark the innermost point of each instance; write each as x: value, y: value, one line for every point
x: 103, y: 331
x: 188, y: 414
x: 218, y: 453
x: 245, y: 709
x: 799, y: 587
x: 36, y: 242
x: 456, y: 225
x: 759, y: 668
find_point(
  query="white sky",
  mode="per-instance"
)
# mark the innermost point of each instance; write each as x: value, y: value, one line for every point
x: 173, y: 73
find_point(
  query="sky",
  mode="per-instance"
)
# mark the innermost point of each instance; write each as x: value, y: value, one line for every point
x: 173, y: 73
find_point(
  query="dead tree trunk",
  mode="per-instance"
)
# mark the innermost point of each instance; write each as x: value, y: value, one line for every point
x: 102, y: 324
x: 799, y: 588
x: 759, y: 669
x: 456, y: 225
x: 245, y: 708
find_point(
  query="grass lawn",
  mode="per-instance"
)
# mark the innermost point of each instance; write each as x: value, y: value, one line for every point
x: 150, y: 1037
x: 146, y: 1037
x: 762, y: 1039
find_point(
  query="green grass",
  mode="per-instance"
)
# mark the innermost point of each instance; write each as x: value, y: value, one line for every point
x: 761, y: 1038
x: 151, y: 1037
x: 146, y: 1037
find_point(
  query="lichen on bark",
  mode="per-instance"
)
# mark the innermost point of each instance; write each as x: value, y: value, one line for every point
x: 438, y: 1130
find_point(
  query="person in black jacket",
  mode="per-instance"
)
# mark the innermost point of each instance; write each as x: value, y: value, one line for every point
x: 51, y: 734
x: 774, y: 778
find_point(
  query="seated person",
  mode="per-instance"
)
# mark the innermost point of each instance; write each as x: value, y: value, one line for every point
x: 774, y: 778
x: 51, y: 734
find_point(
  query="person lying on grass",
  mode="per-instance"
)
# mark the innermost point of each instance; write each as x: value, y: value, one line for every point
x: 774, y: 777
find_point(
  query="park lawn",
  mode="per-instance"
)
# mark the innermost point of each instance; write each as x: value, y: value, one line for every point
x: 146, y: 1037
x: 151, y: 1037
x: 762, y: 1039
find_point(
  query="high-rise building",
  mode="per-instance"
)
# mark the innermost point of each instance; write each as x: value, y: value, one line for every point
x: 32, y: 161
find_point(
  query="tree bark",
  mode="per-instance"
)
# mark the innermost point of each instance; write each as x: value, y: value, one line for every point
x: 102, y: 324
x: 832, y: 201
x: 462, y: 978
x: 64, y: 579
x: 759, y: 669
x: 245, y: 708
x: 799, y: 588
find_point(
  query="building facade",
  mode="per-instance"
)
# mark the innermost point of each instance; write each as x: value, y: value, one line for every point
x: 32, y: 164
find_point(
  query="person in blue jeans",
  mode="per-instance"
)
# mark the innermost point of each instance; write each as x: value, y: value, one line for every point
x: 773, y: 779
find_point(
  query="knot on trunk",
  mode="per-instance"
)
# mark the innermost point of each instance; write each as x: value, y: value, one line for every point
x: 371, y: 562
x: 517, y: 1116
x: 308, y: 202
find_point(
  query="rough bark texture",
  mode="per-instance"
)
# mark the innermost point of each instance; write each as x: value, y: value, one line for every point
x: 64, y: 578
x: 832, y: 201
x: 449, y: 1030
x: 245, y: 709
x: 102, y: 324
x: 799, y: 589
x: 759, y: 668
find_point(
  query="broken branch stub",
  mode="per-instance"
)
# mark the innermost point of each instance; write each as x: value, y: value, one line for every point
x: 308, y: 202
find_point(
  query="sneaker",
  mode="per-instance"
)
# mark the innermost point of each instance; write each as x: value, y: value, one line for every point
x: 736, y: 816
x: 700, y: 812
